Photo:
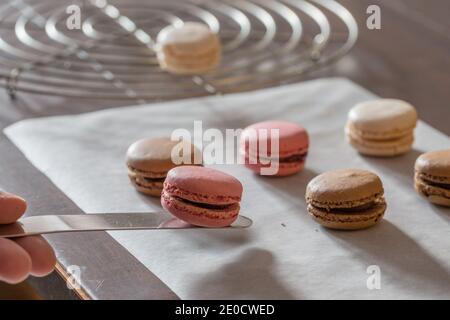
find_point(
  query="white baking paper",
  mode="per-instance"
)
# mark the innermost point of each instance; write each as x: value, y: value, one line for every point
x: 284, y: 255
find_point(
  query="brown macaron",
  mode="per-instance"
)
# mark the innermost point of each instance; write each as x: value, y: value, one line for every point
x: 346, y: 199
x: 149, y: 160
x: 432, y: 176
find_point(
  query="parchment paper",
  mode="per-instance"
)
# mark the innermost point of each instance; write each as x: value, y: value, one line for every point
x: 284, y: 255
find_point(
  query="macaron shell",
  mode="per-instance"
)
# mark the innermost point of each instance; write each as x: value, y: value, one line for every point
x: 203, y: 185
x: 154, y: 155
x: 284, y: 169
x: 190, y: 38
x: 381, y: 148
x: 386, y: 117
x: 290, y: 169
x: 432, y: 178
x: 435, y: 166
x: 293, y: 139
x: 156, y: 192
x: 353, y: 221
x: 386, y: 152
x: 440, y: 201
x: 344, y: 188
x: 199, y: 216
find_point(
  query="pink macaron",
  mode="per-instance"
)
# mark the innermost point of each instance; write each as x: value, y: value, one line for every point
x: 258, y: 147
x: 202, y: 196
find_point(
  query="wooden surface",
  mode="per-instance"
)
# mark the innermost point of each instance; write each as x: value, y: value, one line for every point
x: 409, y: 58
x: 21, y: 291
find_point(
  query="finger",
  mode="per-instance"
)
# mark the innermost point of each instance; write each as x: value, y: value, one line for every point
x: 11, y: 207
x: 15, y: 262
x: 43, y: 258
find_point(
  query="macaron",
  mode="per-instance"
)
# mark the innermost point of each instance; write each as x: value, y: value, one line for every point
x: 149, y: 160
x: 191, y: 48
x: 259, y: 150
x: 383, y: 127
x: 432, y: 176
x: 202, y: 196
x: 346, y: 199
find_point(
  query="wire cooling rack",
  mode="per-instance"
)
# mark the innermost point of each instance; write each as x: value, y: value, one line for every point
x: 111, y: 55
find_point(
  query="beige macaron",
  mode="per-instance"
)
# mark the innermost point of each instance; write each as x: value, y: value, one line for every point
x: 432, y: 176
x: 383, y: 127
x: 149, y: 160
x: 346, y: 199
x: 188, y: 49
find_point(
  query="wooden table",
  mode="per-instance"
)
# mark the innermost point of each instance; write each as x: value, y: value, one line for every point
x: 409, y: 58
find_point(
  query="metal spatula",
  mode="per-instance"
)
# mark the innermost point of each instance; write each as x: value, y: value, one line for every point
x: 100, y: 222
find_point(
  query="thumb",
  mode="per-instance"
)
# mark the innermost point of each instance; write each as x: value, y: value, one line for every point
x: 12, y: 207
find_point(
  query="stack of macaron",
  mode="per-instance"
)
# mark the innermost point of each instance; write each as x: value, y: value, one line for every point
x: 191, y: 48
x: 343, y: 199
x: 381, y: 127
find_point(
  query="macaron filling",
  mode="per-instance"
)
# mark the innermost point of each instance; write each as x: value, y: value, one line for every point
x: 207, y: 55
x: 379, y: 143
x: 295, y: 158
x: 380, y: 135
x: 360, y: 209
x: 432, y: 180
x: 147, y: 174
x: 194, y: 197
x: 291, y: 159
x: 151, y: 180
x: 432, y: 188
x: 437, y: 184
x: 147, y: 179
x: 147, y: 182
x: 328, y: 206
x: 200, y: 214
x: 348, y: 220
x: 207, y: 205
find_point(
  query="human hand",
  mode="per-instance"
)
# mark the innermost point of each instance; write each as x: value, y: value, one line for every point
x: 25, y: 256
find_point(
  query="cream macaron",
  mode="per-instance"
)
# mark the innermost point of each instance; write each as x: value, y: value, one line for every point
x: 346, y: 199
x: 432, y: 176
x: 383, y: 127
x: 149, y: 160
x: 188, y: 49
